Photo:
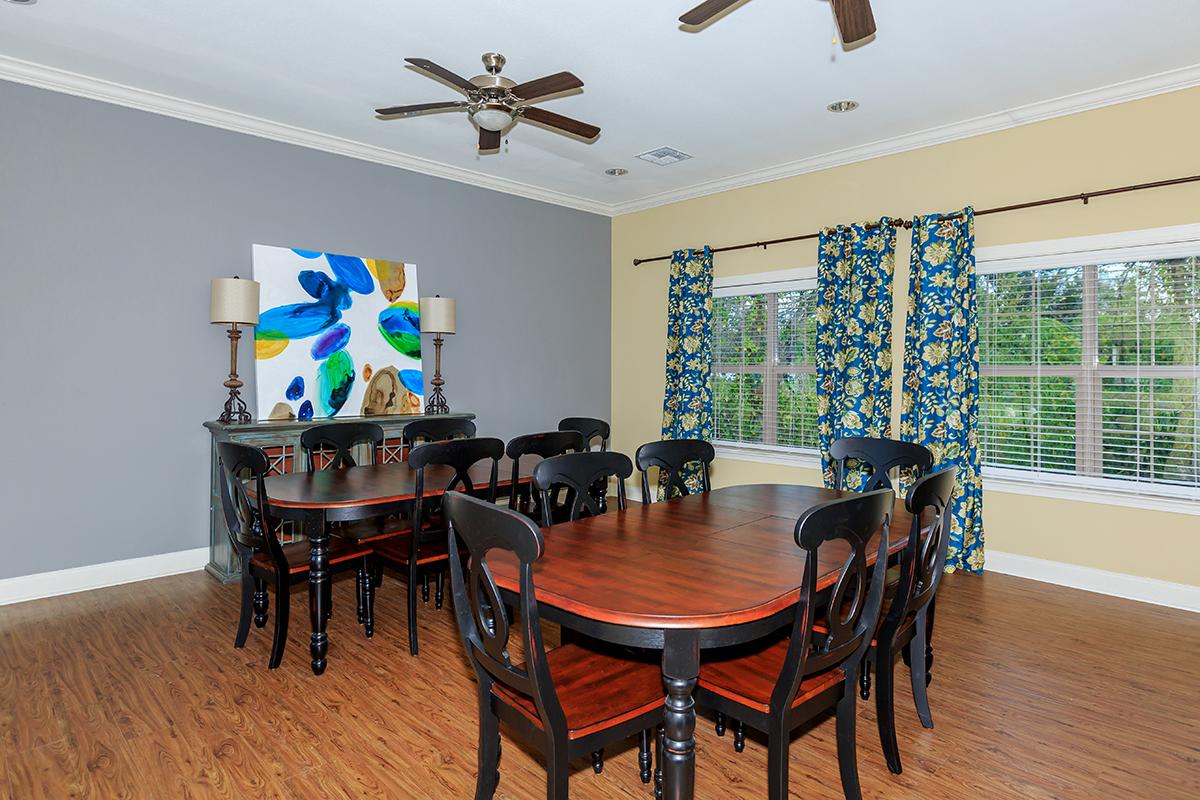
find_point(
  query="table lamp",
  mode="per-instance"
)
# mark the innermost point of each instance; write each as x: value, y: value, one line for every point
x: 234, y: 302
x: 437, y: 317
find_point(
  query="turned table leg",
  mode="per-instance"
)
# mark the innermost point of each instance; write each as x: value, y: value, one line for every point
x: 318, y: 583
x: 680, y: 669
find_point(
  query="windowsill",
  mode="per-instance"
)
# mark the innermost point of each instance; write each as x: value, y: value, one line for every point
x: 768, y: 454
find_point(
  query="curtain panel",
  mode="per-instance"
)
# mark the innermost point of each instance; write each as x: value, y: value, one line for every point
x: 940, y: 407
x: 855, y: 266
x: 687, y: 399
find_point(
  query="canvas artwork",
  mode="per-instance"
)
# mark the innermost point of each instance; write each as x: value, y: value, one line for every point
x: 337, y: 335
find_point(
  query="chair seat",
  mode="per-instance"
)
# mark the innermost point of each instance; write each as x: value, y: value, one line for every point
x: 749, y: 678
x: 297, y: 555
x: 397, y: 550
x: 597, y: 691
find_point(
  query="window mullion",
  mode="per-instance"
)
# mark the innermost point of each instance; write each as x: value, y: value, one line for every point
x: 770, y: 381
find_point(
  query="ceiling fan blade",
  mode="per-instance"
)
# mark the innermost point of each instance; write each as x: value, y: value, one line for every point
x: 551, y: 84
x: 567, y: 124
x: 854, y: 19
x: 400, y: 111
x: 489, y: 140
x: 443, y: 73
x: 706, y: 11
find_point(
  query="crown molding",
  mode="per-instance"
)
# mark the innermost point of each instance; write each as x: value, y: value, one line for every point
x: 44, y: 77
x: 1173, y: 80
x: 57, y: 80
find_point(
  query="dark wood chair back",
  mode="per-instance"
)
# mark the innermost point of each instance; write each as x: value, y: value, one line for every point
x: 578, y: 473
x: 880, y: 456
x: 671, y: 456
x: 483, y: 625
x: 436, y: 429
x: 545, y: 445
x: 841, y: 529
x: 247, y: 521
x: 589, y: 428
x: 332, y: 446
x: 923, y: 560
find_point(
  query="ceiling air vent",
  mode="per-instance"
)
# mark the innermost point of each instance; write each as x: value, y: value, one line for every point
x: 664, y: 156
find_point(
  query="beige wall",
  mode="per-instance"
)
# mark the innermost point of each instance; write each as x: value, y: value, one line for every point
x: 1146, y: 140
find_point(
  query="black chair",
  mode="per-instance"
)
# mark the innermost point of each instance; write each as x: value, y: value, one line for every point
x: 421, y: 551
x: 880, y: 457
x: 781, y: 685
x: 331, y: 446
x: 567, y: 702
x: 543, y: 445
x: 265, y: 561
x: 905, y: 623
x: 436, y: 429
x: 589, y: 428
x: 671, y: 456
x: 578, y: 473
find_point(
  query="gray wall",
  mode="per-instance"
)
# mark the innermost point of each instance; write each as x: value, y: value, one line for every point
x: 112, y: 223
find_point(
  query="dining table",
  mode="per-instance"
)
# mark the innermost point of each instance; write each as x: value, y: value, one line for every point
x: 315, y: 499
x: 691, y: 573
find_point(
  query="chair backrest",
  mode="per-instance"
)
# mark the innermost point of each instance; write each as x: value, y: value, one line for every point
x: 923, y: 560
x: 482, y: 620
x: 880, y: 456
x: 841, y: 529
x: 461, y: 455
x: 545, y: 445
x: 671, y: 456
x: 246, y: 520
x: 589, y: 427
x: 579, y: 472
x: 437, y: 429
x: 332, y: 446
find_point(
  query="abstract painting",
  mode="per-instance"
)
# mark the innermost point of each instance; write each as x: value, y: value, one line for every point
x: 337, y: 335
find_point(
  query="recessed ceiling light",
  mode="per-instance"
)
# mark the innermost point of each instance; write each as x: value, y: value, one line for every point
x: 842, y: 106
x: 616, y: 172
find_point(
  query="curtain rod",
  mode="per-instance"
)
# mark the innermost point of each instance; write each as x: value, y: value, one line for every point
x: 907, y: 223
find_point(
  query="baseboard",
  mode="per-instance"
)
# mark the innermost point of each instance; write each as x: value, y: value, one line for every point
x: 1116, y: 584
x: 97, y: 576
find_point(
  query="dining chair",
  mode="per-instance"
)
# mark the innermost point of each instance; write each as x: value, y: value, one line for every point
x: 589, y: 428
x: 265, y: 562
x: 543, y: 445
x: 421, y: 551
x: 578, y: 473
x: 436, y: 429
x: 567, y: 702
x: 880, y: 456
x: 780, y: 685
x: 671, y: 456
x: 331, y: 446
x: 905, y: 620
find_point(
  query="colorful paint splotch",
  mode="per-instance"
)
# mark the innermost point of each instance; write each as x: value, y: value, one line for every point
x: 338, y: 311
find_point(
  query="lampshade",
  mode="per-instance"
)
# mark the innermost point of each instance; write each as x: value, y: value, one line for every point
x: 234, y: 300
x: 437, y: 314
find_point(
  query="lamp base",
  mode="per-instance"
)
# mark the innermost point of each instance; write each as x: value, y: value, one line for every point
x: 235, y: 412
x: 437, y: 402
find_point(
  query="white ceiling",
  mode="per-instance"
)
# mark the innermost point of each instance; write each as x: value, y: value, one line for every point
x: 745, y: 95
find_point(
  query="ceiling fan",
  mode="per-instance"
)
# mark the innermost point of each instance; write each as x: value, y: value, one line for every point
x: 494, y: 103
x: 854, y: 18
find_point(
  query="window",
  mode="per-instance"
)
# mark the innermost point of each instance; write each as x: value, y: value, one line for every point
x: 1090, y: 367
x: 764, y: 361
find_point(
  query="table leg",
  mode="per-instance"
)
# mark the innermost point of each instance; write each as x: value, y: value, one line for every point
x: 318, y: 583
x: 680, y: 669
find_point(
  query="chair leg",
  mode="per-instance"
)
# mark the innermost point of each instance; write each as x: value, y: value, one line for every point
x: 412, y: 612
x: 918, y: 674
x: 424, y: 588
x: 739, y: 736
x: 930, y: 614
x: 439, y: 590
x: 368, y: 603
x: 846, y: 745
x: 864, y: 679
x: 377, y: 574
x: 598, y: 761
x: 243, y: 629
x: 778, y: 739
x: 557, y: 771
x: 720, y: 726
x: 659, y: 746
x: 359, y: 596
x: 489, y: 746
x: 645, y: 760
x: 282, y: 607
x: 885, y: 706
x: 261, y: 603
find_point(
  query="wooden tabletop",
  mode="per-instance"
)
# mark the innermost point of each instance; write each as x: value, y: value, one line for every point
x: 373, y: 485
x: 709, y: 560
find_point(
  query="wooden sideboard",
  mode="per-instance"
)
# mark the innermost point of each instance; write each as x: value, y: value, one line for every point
x: 281, y: 442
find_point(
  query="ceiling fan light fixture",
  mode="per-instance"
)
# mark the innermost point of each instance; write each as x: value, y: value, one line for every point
x: 492, y: 119
x: 842, y: 106
x: 616, y: 172
x: 22, y: 2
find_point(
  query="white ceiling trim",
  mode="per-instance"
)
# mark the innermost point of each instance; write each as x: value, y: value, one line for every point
x: 31, y: 74
x: 1173, y: 80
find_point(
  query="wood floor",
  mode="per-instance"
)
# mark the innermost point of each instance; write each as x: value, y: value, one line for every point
x: 137, y: 691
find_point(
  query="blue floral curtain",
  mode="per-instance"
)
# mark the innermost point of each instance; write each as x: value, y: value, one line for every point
x: 687, y: 401
x: 941, y: 368
x: 854, y: 337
